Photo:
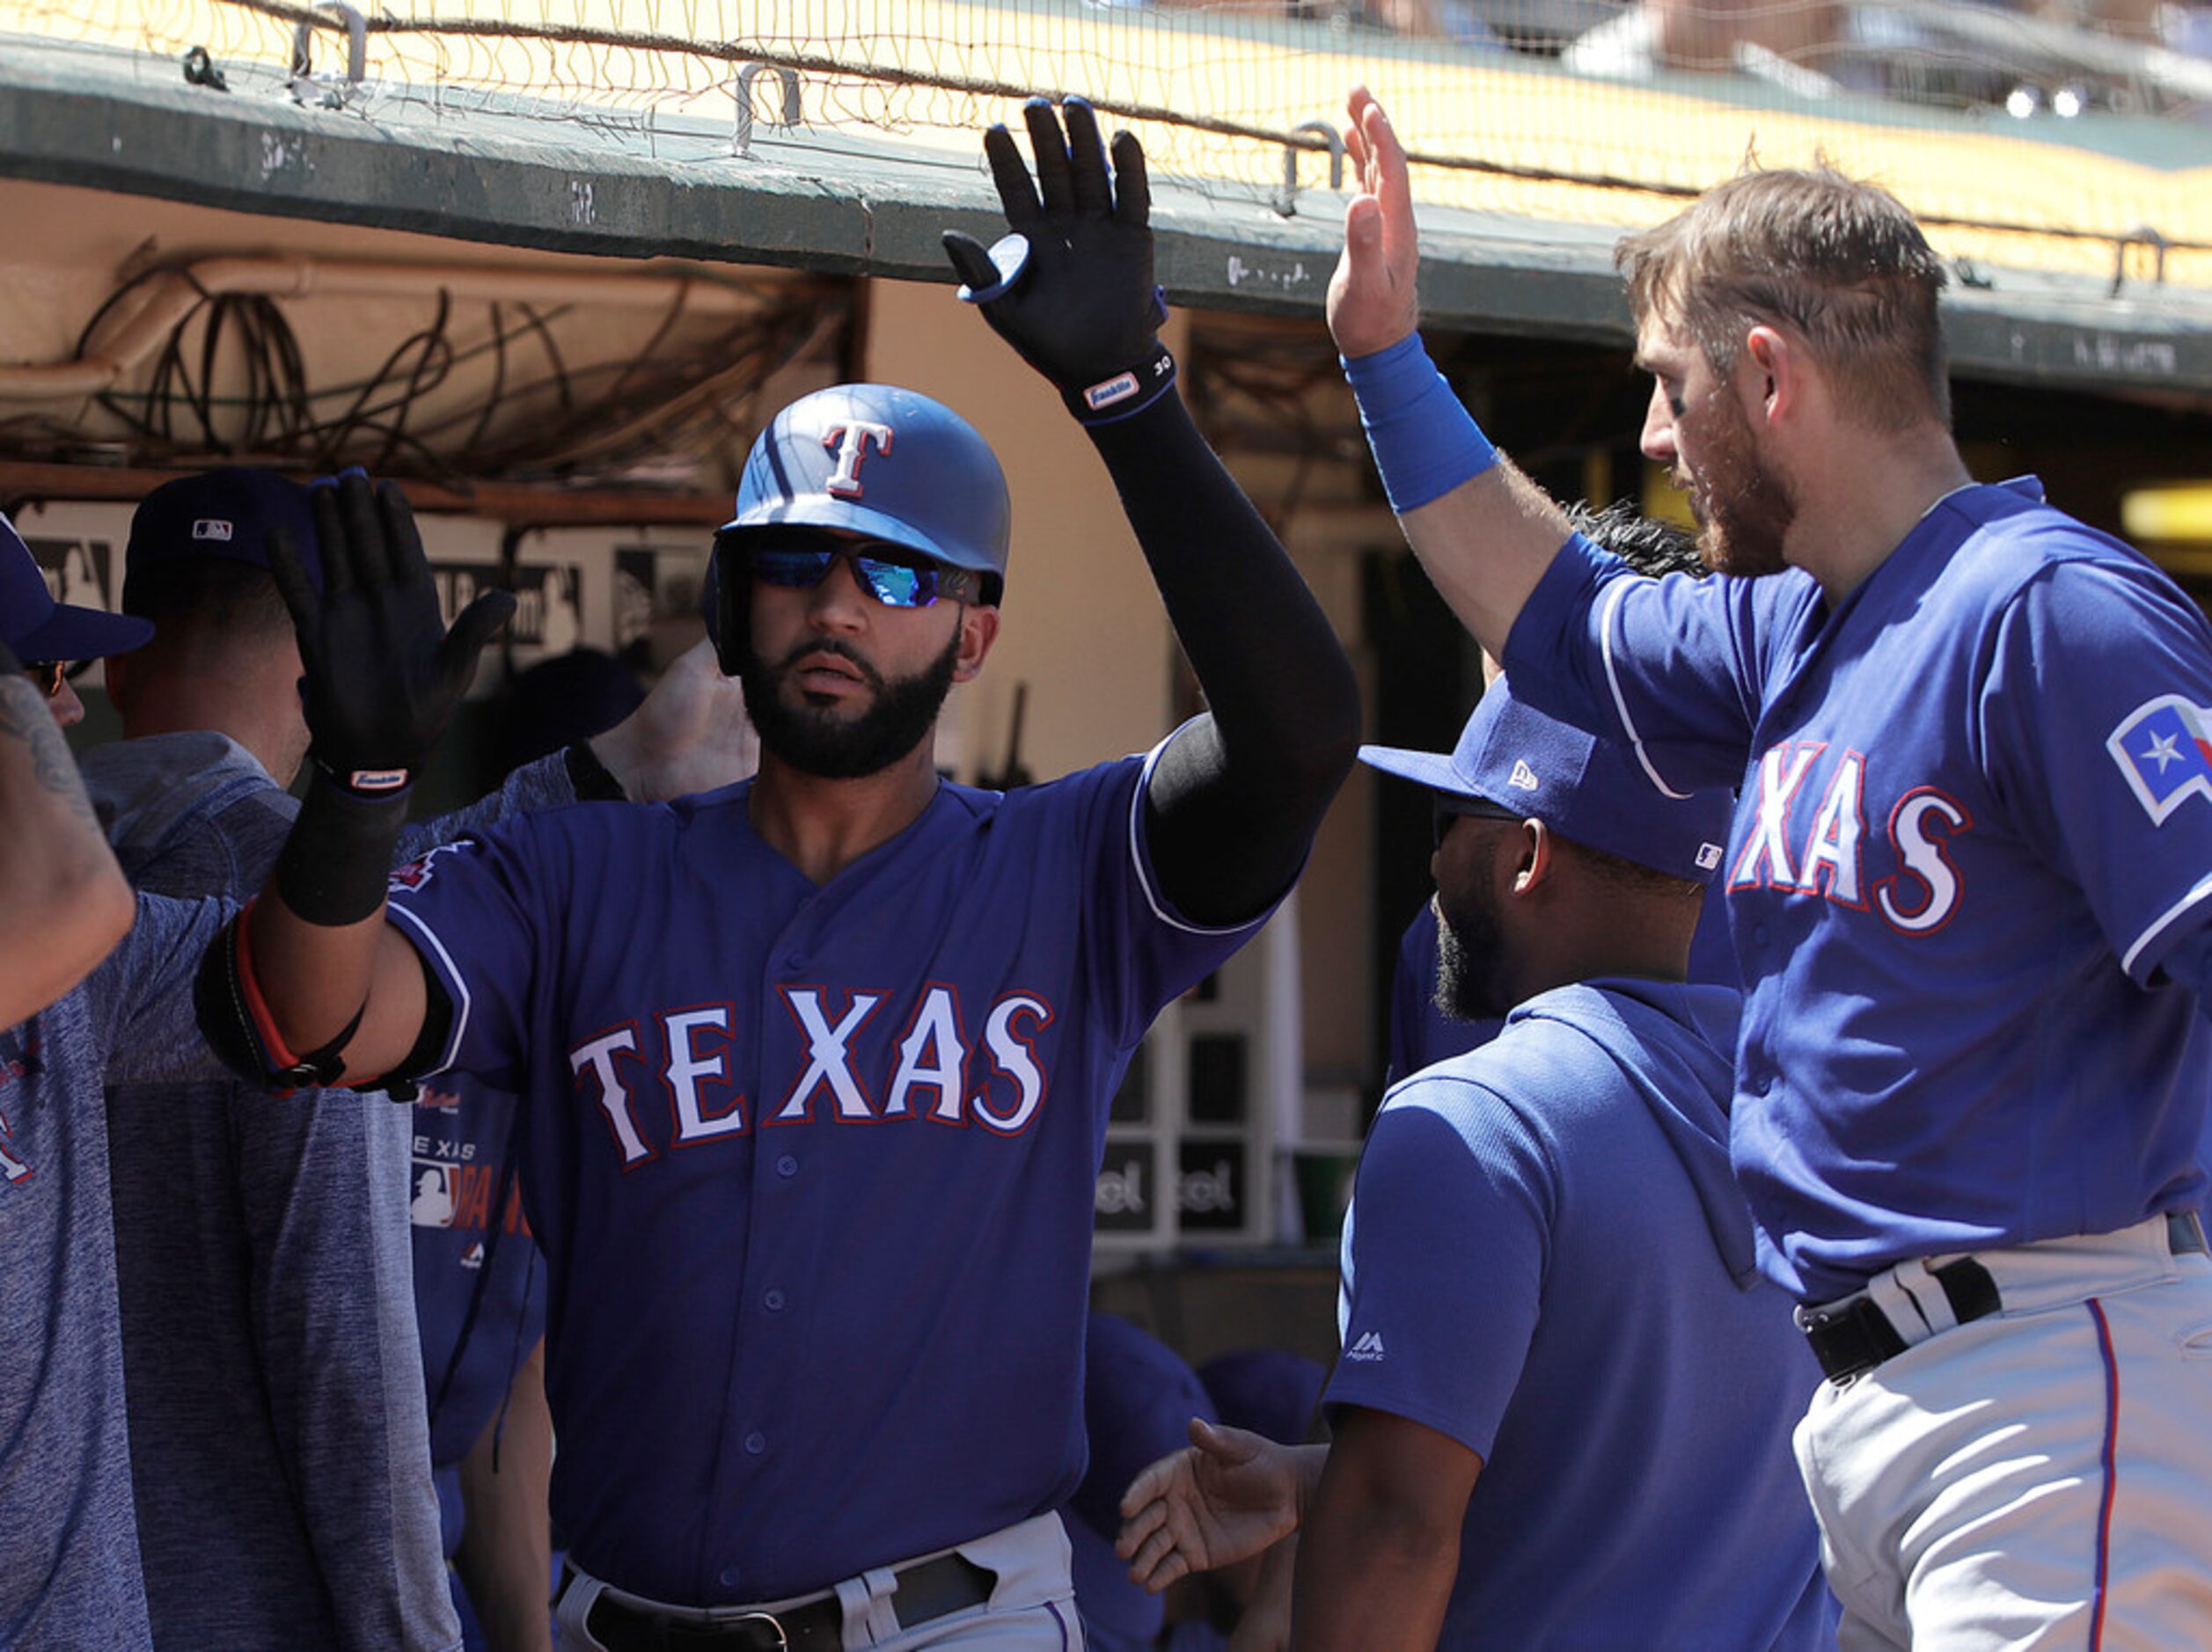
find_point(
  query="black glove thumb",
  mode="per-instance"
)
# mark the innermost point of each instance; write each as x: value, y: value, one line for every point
x: 971, y: 260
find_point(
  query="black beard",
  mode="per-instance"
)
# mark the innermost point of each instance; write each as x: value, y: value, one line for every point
x: 814, y: 743
x: 1470, y: 962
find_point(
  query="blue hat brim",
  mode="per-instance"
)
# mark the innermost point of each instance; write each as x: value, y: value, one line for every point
x: 1431, y: 769
x: 70, y: 632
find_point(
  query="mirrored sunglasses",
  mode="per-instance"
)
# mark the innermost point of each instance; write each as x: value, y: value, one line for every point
x: 1446, y: 807
x: 892, y: 575
x: 50, y: 674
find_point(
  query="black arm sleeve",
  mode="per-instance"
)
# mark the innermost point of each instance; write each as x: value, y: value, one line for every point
x: 1236, y: 798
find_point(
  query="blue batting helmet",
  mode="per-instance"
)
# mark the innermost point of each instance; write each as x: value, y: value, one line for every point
x: 884, y: 464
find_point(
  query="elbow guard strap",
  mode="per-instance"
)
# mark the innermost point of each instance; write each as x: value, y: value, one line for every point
x: 235, y: 1020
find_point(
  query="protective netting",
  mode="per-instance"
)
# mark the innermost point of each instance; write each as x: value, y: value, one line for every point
x: 2051, y: 135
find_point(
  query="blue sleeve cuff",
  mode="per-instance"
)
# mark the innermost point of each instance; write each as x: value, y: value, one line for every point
x: 1426, y: 443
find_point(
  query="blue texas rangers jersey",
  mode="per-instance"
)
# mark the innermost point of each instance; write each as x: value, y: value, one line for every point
x: 1975, y: 816
x: 1547, y: 1261
x: 812, y: 1168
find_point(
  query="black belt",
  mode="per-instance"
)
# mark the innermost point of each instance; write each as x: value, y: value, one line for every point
x: 926, y: 1591
x: 1851, y: 1338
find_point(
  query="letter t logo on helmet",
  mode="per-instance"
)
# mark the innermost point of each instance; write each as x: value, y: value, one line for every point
x: 849, y: 443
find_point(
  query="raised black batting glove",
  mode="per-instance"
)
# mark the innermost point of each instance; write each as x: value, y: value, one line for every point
x: 382, y: 673
x: 381, y: 676
x: 1070, y: 286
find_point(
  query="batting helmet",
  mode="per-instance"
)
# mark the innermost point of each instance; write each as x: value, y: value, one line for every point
x: 880, y: 463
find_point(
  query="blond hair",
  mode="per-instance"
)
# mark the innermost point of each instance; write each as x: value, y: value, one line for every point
x: 1839, y: 263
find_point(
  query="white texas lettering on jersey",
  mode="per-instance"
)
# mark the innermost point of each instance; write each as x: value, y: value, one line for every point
x: 850, y: 442
x: 613, y: 1096
x: 1922, y: 819
x: 1918, y: 898
x: 926, y: 1071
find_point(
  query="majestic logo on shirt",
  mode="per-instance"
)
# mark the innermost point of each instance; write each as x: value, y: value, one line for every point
x: 938, y: 1069
x: 2161, y: 746
x: 1367, y: 1349
x: 1827, y: 857
x: 849, y: 442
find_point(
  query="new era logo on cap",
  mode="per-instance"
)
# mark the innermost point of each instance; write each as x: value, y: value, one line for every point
x: 1523, y: 778
x: 212, y: 528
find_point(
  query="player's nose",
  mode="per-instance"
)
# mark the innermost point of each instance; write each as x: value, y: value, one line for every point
x: 68, y: 710
x: 838, y: 602
x: 1658, y: 440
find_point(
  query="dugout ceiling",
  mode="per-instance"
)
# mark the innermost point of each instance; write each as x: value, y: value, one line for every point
x: 870, y: 204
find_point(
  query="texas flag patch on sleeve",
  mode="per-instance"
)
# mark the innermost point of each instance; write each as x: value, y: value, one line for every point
x: 2162, y: 748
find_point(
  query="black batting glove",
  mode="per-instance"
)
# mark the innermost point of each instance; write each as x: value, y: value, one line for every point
x: 1071, y: 286
x: 383, y: 674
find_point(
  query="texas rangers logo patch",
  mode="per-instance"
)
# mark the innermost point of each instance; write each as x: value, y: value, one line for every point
x: 415, y: 874
x: 2161, y: 748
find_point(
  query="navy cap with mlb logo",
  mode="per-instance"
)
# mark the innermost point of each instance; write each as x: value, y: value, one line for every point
x: 1591, y: 792
x: 224, y: 513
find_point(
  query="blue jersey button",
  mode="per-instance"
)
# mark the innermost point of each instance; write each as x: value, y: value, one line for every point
x: 773, y: 1299
x: 795, y: 961
x: 756, y: 1442
x: 1758, y: 934
x: 787, y: 1166
x: 729, y: 1576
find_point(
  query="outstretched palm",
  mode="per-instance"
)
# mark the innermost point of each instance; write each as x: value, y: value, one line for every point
x: 1227, y: 1495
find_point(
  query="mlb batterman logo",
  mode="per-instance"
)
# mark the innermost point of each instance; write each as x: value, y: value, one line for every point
x: 2161, y: 748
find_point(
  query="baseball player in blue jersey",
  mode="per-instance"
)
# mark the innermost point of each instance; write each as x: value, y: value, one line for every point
x: 1967, y: 886
x: 1563, y: 1409
x: 815, y: 1069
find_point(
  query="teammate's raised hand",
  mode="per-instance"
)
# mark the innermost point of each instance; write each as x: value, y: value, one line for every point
x: 1228, y: 1494
x: 1070, y: 286
x: 382, y: 673
x: 1372, y: 300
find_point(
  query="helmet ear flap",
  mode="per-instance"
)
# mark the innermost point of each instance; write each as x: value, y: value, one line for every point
x: 725, y: 604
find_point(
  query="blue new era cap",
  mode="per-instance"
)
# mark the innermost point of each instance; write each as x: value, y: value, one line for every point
x: 224, y: 513
x: 1591, y: 792
x: 37, y: 627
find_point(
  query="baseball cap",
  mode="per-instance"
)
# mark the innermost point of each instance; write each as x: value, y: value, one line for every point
x: 224, y: 513
x: 37, y: 627
x: 1591, y: 792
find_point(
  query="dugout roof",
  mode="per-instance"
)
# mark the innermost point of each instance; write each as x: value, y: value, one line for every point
x: 2066, y: 281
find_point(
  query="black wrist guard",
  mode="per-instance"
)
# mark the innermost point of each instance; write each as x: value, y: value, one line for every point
x: 1130, y: 391
x: 338, y: 859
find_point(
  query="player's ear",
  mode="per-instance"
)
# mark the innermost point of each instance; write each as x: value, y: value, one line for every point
x: 122, y: 687
x: 978, y: 629
x: 1535, y: 855
x: 1775, y: 367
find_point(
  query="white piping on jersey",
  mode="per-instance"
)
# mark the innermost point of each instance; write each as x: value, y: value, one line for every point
x: 1153, y: 897
x: 1620, y: 702
x: 453, y: 974
x: 2161, y: 922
